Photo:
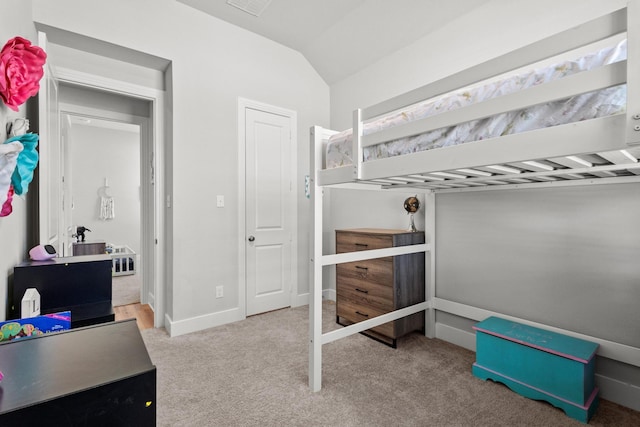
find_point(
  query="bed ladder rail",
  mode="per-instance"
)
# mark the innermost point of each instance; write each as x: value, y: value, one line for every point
x: 356, y: 140
x: 633, y: 73
x: 355, y: 328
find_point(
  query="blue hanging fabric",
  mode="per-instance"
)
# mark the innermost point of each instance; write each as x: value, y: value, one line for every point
x: 27, y: 162
x: 8, y: 160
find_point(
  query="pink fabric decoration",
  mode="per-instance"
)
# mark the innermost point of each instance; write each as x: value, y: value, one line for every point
x: 6, y: 207
x: 20, y: 71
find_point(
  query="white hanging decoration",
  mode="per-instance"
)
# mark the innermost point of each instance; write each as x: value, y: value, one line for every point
x: 107, y: 204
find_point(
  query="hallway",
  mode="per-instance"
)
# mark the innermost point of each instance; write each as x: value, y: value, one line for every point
x: 141, y: 312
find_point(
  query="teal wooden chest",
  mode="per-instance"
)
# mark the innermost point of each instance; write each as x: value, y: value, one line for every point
x: 538, y: 364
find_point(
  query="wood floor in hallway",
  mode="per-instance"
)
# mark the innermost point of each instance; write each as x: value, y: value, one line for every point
x: 141, y: 312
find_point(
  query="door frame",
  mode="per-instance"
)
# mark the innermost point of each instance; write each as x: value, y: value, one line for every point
x: 243, y: 105
x: 49, y: 130
x: 151, y: 136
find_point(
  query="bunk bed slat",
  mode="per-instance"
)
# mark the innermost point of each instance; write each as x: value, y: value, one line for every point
x: 618, y: 157
x: 571, y: 174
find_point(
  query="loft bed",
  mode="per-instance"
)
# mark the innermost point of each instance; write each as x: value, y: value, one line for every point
x: 601, y: 146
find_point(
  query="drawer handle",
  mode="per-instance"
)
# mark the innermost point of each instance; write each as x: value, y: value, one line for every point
x: 362, y: 314
x: 362, y: 268
x: 364, y: 291
x: 364, y: 245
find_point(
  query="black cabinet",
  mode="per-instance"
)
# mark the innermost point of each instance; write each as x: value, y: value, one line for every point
x: 79, y: 284
x: 94, y: 376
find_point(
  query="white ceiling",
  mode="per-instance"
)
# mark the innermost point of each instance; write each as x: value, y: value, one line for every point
x: 341, y: 37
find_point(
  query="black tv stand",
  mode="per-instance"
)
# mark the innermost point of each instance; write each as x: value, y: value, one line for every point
x: 80, y: 284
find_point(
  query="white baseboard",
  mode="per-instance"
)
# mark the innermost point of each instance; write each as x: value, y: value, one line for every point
x: 329, y: 294
x: 624, y: 394
x: 456, y: 336
x: 194, y: 324
x: 300, y: 300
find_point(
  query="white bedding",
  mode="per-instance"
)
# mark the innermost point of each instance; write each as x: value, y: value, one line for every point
x: 582, y: 107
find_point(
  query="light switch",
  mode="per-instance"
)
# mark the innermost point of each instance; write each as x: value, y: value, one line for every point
x: 220, y: 201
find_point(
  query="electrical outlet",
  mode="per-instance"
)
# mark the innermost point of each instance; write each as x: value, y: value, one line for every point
x: 219, y: 292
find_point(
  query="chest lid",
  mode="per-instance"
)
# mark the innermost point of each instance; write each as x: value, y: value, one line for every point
x: 541, y: 339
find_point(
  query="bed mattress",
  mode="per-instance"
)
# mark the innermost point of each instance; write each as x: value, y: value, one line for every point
x: 582, y: 107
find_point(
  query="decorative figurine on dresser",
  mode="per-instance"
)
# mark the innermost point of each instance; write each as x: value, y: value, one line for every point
x: 370, y: 288
x: 411, y: 205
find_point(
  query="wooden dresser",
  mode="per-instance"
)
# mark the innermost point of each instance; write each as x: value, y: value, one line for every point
x: 366, y: 289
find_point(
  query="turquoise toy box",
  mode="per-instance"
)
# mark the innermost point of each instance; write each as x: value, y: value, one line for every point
x: 538, y: 364
x: 34, y: 326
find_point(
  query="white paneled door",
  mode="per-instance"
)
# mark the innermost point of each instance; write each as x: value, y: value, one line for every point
x: 268, y: 210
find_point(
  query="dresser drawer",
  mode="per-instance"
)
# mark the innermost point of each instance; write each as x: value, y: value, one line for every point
x: 378, y: 271
x: 365, y: 294
x: 347, y: 241
x: 355, y: 313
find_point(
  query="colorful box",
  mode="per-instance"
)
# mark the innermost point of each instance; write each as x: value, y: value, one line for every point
x: 538, y: 364
x: 34, y: 326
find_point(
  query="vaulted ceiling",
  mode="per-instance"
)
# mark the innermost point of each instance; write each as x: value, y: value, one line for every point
x: 340, y: 37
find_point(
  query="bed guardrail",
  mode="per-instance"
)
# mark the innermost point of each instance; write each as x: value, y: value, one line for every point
x: 602, y: 28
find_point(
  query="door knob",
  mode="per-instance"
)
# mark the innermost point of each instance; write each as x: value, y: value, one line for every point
x: 251, y: 238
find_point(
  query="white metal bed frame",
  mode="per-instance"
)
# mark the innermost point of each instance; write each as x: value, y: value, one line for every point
x: 556, y: 156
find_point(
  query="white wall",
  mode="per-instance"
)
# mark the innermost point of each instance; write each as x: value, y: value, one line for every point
x: 212, y: 64
x: 98, y: 153
x: 14, y: 230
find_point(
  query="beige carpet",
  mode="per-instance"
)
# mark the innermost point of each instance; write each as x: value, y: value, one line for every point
x: 125, y: 289
x: 254, y: 373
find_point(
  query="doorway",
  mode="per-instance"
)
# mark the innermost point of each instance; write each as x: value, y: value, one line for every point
x: 101, y: 194
x: 268, y: 215
x: 123, y: 127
